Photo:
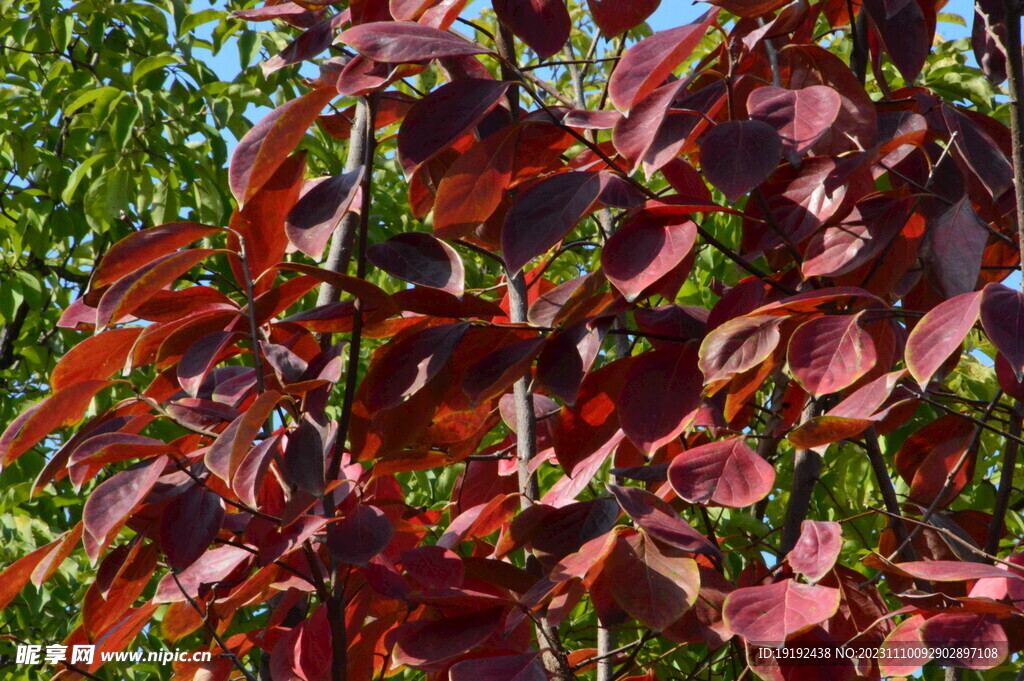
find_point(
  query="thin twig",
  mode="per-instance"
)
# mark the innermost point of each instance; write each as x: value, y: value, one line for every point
x: 213, y: 631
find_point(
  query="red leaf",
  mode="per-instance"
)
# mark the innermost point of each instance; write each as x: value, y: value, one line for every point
x: 727, y: 472
x: 1002, y: 316
x: 860, y: 237
x: 944, y: 570
x: 59, y: 550
x: 660, y: 521
x: 117, y: 637
x: 480, y: 521
x: 399, y: 42
x: 567, y: 357
x: 443, y: 116
x: 906, y: 35
x: 409, y: 10
x: 546, y: 212
x: 422, y: 259
x: 60, y: 409
x: 305, y: 456
x: 409, y: 364
x: 363, y: 533
x: 800, y: 201
x: 362, y: 76
x: 939, y: 334
x: 145, y: 246
x: 110, y: 504
x: 265, y: 147
x: 749, y: 9
x: 120, y: 580
x: 434, y: 566
x: 653, y: 588
x: 96, y: 358
x: 904, y: 649
x: 1008, y: 379
x: 15, y: 576
x: 227, y: 451
x: 647, y: 64
x: 736, y: 156
x: 644, y: 250
x: 190, y: 523
x: 371, y: 294
x: 591, y: 120
x: 954, y: 248
x: 618, y: 16
x: 788, y: 20
x: 322, y: 203
x: 311, y: 652
x: 544, y: 25
x: 258, y: 223
x: 435, y: 303
x: 428, y: 642
x: 472, y: 188
x: 88, y: 458
x: 830, y: 353
x: 635, y: 135
x: 768, y: 615
x: 857, y: 125
x: 133, y: 290
x: 988, y: 35
x: 928, y: 456
x: 495, y: 372
x: 555, y: 304
x: 817, y: 549
x: 212, y: 567
x: 647, y: 418
x: 287, y: 9
x: 505, y: 668
x: 307, y: 45
x: 171, y: 305
x: 848, y: 418
x: 680, y: 322
x: 965, y: 635
x: 202, y: 356
x: 801, y: 117
x: 581, y: 430
x: 566, y: 489
x: 249, y: 475
x: 736, y: 346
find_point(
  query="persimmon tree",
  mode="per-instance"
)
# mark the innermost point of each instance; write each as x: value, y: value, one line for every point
x: 606, y: 354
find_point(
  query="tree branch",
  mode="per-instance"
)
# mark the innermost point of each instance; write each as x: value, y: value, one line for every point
x: 806, y: 470
x: 889, y: 497
x: 340, y: 252
x: 1005, y: 489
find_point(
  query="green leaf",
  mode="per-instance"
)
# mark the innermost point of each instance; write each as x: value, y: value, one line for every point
x: 78, y: 175
x: 198, y: 19
x: 124, y: 121
x: 950, y: 18
x: 105, y: 94
x: 68, y: 195
x: 150, y: 64
x: 31, y: 288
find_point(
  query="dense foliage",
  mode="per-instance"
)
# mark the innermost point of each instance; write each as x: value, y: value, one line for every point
x: 533, y: 345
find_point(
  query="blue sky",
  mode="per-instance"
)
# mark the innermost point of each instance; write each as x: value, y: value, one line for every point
x: 669, y: 14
